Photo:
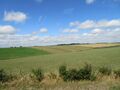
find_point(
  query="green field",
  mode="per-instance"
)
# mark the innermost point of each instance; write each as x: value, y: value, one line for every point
x: 21, y: 61
x: 11, y: 53
x: 73, y: 56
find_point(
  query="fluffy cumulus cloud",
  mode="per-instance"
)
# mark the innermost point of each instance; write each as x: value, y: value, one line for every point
x: 90, y: 1
x: 70, y: 30
x: 43, y: 30
x: 98, y: 31
x: 88, y: 31
x: 15, y: 16
x: 33, y: 40
x: 111, y: 35
x: 40, y: 31
x: 89, y: 24
x: 7, y: 29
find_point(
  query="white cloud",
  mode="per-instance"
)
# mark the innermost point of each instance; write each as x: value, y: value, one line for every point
x: 98, y: 31
x: 70, y: 30
x: 107, y: 34
x: 15, y: 16
x: 94, y: 34
x: 7, y: 29
x: 89, y: 24
x: 76, y: 23
x: 43, y: 30
x: 90, y: 1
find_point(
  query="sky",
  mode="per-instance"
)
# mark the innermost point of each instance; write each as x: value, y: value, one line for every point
x: 51, y: 22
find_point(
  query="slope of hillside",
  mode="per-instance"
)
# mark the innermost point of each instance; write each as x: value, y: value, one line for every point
x: 51, y: 62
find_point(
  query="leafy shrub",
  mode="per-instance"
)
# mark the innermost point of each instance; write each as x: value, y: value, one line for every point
x: 85, y: 73
x: 71, y: 75
x: 105, y: 70
x: 4, y: 76
x: 93, y: 77
x: 74, y: 75
x: 63, y: 72
x: 38, y: 74
x: 117, y: 73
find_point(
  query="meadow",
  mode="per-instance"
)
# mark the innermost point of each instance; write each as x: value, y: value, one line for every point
x: 11, y: 53
x: 49, y: 58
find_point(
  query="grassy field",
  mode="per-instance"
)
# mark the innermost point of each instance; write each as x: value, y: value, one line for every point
x: 101, y: 45
x: 75, y: 58
x: 49, y: 58
x: 63, y: 49
x: 11, y: 53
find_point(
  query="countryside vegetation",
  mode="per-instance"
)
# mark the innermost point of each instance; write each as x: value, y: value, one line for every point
x: 62, y: 67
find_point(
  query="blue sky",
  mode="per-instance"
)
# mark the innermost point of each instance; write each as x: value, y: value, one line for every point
x: 45, y: 22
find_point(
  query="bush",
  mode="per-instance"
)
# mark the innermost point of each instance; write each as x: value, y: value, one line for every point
x: 38, y: 74
x: 4, y: 77
x: 117, y: 73
x: 105, y: 70
x: 75, y: 75
x: 85, y: 73
x: 71, y: 75
x: 63, y: 72
x: 93, y: 77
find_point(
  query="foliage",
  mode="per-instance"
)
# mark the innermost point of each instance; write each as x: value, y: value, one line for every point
x: 38, y: 74
x: 74, y: 75
x: 63, y: 72
x: 86, y: 72
x: 4, y: 77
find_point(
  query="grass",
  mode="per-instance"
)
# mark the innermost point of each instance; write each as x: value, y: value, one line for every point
x: 63, y: 49
x: 100, y: 45
x: 115, y: 88
x: 23, y: 60
x: 51, y: 62
x: 12, y: 53
x: 51, y: 84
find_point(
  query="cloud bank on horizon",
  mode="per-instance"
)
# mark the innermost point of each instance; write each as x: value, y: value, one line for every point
x: 45, y: 22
